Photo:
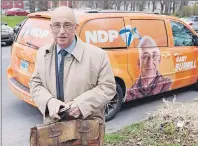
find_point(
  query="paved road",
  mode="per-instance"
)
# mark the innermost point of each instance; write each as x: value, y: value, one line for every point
x: 19, y: 117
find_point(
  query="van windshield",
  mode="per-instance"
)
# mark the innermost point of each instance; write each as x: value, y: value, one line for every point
x: 35, y: 31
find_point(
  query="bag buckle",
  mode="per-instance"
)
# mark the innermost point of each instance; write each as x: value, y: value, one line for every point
x: 54, y: 131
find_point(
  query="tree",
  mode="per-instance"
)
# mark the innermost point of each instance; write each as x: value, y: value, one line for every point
x: 162, y: 6
x: 141, y: 5
x: 154, y: 6
x: 32, y: 6
x: 165, y: 5
x: 182, y: 4
x: 148, y: 4
x: 194, y: 9
x: 174, y: 7
x: 118, y: 3
x: 42, y: 5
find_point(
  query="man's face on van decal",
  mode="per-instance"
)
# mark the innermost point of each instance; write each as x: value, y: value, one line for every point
x: 149, y: 59
x: 149, y: 62
x: 63, y: 26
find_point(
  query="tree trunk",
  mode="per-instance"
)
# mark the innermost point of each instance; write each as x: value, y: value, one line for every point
x: 134, y: 5
x: 154, y: 6
x: 170, y: 7
x: 162, y: 6
x: 148, y: 5
x: 183, y: 3
x: 118, y: 5
x: 105, y: 5
x: 166, y: 9
x: 42, y: 5
x: 174, y: 6
x: 32, y: 6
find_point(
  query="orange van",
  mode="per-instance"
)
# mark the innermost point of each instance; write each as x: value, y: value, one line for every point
x: 149, y: 53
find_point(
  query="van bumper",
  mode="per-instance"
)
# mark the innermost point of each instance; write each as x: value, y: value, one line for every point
x: 19, y: 89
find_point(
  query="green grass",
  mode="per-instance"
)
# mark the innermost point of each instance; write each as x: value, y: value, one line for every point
x: 12, y: 20
x: 148, y: 133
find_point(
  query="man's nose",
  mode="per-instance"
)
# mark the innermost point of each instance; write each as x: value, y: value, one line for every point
x: 149, y: 61
x: 62, y: 30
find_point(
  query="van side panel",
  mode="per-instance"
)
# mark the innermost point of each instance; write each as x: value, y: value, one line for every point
x: 103, y: 33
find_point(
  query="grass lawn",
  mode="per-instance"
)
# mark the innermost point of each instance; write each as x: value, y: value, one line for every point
x: 162, y: 129
x: 148, y: 133
x: 12, y: 20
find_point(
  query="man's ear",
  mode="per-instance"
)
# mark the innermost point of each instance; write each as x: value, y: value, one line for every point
x: 76, y: 26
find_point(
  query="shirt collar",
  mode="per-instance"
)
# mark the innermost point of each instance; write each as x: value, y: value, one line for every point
x: 68, y: 49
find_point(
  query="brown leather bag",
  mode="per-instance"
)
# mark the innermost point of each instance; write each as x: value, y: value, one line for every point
x: 68, y: 133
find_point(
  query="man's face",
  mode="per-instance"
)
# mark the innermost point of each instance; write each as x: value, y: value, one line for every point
x: 63, y: 31
x: 149, y: 62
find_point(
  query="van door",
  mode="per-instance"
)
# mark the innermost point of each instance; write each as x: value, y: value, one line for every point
x: 108, y: 34
x: 149, y: 62
x: 105, y: 33
x: 183, y: 52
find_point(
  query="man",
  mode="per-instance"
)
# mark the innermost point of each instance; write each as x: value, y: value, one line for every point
x: 71, y: 74
x: 150, y: 82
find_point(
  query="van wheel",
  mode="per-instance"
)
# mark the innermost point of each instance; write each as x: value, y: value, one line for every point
x: 112, y: 108
x: 196, y: 85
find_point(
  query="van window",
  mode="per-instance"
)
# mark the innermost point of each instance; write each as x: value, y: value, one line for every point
x: 181, y: 34
x: 35, y: 31
x: 104, y: 33
x: 153, y: 28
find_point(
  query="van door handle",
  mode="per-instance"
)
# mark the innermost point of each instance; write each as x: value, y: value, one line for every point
x: 177, y: 54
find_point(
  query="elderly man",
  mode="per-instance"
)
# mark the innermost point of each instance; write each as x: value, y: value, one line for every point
x: 71, y: 74
x: 150, y: 82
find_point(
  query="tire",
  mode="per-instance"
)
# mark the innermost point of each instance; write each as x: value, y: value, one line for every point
x: 113, y: 107
x: 196, y: 85
x: 9, y: 43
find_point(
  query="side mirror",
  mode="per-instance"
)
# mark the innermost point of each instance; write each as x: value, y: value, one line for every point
x: 195, y: 40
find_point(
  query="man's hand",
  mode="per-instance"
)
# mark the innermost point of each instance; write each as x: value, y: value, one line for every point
x: 54, y: 107
x: 73, y: 111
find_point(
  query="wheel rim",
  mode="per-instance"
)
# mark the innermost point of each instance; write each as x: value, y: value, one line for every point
x: 112, y: 105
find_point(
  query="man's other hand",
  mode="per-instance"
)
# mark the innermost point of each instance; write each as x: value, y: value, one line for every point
x: 73, y: 111
x: 54, y: 107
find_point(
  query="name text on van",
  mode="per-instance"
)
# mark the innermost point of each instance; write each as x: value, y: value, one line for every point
x: 182, y: 65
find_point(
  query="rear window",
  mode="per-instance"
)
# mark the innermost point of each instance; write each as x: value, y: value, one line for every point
x: 35, y: 31
x: 104, y: 33
x: 153, y: 28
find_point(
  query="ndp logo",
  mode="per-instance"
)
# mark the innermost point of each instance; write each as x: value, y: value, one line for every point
x: 101, y: 36
x: 127, y: 33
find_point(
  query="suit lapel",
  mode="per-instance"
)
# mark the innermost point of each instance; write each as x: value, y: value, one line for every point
x: 50, y: 74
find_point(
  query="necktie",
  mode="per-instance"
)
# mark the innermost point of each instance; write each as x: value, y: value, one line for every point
x: 61, y: 74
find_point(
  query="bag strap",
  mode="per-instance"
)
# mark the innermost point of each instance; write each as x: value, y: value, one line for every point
x: 83, y: 130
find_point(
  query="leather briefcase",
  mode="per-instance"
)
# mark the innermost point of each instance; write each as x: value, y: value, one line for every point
x: 68, y: 133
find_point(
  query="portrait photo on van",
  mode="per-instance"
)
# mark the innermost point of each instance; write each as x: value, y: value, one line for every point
x: 150, y: 81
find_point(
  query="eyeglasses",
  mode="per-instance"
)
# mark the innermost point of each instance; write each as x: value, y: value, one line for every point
x: 66, y: 26
x: 153, y: 57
